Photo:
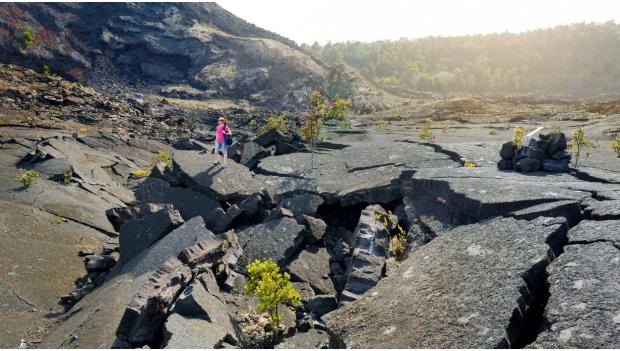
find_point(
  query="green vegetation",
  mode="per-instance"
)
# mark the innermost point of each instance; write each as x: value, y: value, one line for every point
x: 271, y: 287
x: 321, y: 110
x: 278, y: 123
x: 140, y: 173
x: 615, y: 145
x: 580, y: 143
x: 501, y: 63
x: 470, y: 165
x: 47, y: 70
x: 493, y: 132
x: 164, y: 157
x: 391, y: 80
x: 398, y: 236
x: 426, y: 133
x: 518, y: 136
x: 27, y: 36
x: 28, y: 178
x: 66, y: 177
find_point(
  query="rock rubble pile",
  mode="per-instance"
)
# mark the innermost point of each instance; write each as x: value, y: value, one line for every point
x: 548, y: 153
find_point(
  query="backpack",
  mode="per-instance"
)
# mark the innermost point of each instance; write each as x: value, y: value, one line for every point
x: 228, y: 139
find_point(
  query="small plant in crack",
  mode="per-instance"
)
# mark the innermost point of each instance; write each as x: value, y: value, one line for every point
x: 278, y: 123
x: 66, y: 177
x: 615, y: 145
x: 140, y: 173
x: 579, y: 144
x: 426, y: 133
x: 29, y: 178
x: 272, y: 288
x: 398, y: 236
x: 518, y: 136
x: 164, y: 157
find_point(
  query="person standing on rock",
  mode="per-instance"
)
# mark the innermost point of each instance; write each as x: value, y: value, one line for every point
x: 221, y: 132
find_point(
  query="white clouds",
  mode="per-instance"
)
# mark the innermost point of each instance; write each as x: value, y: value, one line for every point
x: 331, y: 20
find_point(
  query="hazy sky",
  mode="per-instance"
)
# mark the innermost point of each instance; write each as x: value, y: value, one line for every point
x: 336, y: 20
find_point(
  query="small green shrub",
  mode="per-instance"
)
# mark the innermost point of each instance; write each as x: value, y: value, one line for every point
x: 140, y: 173
x: 278, y: 123
x: 66, y: 177
x: 579, y: 144
x: 493, y: 132
x: 28, y: 178
x: 426, y: 134
x: 470, y: 165
x: 518, y: 136
x: 27, y: 36
x: 164, y: 157
x: 271, y: 287
x: 398, y: 236
x: 47, y: 70
x: 615, y: 145
x: 381, y: 126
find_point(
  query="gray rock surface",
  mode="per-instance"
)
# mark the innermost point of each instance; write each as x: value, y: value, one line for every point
x: 38, y: 263
x: 200, y: 318
x: 188, y: 202
x: 315, y: 228
x: 312, y: 266
x: 360, y: 172
x: 322, y: 304
x: 480, y: 193
x: 601, y: 210
x: 303, y: 204
x: 251, y: 205
x: 66, y: 201
x: 367, y: 263
x: 197, y: 171
x: 252, y: 153
x: 138, y: 234
x: 53, y: 168
x: 312, y: 339
x: 118, y: 216
x: 147, y: 309
x: 278, y: 239
x: 591, y: 231
x: 95, y: 318
x: 227, y: 218
x: 583, y: 309
x: 450, y: 294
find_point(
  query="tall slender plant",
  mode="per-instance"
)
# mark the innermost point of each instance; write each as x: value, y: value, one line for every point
x: 321, y: 110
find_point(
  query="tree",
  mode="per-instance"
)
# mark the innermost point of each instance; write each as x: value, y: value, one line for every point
x: 271, y: 287
x: 321, y: 110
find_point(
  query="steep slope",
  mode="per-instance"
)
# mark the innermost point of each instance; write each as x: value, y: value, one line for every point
x: 187, y: 50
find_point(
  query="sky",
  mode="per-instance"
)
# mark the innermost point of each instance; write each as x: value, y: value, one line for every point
x: 307, y: 21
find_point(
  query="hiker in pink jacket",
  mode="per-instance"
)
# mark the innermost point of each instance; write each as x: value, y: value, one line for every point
x: 221, y: 133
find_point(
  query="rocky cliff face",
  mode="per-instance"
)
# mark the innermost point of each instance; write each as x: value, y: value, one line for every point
x: 189, y: 50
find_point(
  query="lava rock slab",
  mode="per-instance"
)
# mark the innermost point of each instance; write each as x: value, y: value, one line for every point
x: 462, y: 290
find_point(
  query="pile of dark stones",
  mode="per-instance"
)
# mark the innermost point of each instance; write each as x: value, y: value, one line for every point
x: 548, y: 153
